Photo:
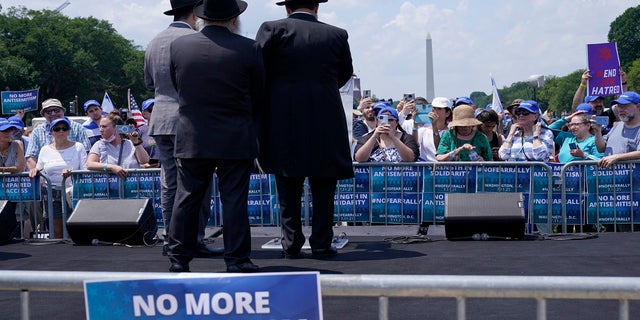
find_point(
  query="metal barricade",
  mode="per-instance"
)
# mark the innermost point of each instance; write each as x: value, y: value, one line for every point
x: 413, y: 193
x: 592, y: 195
x: 540, y: 288
x: 18, y: 187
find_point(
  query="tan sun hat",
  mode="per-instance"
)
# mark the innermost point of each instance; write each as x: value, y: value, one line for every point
x: 463, y: 116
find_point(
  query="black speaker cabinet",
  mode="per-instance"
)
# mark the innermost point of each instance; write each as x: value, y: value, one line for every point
x: 127, y: 221
x: 484, y: 216
x: 9, y: 226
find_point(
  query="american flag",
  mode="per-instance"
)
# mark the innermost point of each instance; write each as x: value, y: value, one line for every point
x: 136, y: 114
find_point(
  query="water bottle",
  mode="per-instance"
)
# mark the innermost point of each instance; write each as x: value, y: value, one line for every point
x: 473, y: 155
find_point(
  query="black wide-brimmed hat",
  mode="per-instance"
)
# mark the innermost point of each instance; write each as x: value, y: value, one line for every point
x: 286, y: 2
x: 219, y: 10
x: 179, y: 4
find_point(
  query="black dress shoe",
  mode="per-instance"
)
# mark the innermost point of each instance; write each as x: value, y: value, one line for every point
x: 293, y: 256
x: 202, y: 251
x: 324, y: 253
x: 245, y: 267
x: 179, y: 267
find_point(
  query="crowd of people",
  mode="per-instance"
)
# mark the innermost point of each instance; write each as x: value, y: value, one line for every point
x: 457, y: 130
x: 246, y: 102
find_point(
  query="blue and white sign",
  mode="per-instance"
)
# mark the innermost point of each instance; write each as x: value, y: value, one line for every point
x: 269, y: 296
x: 13, y: 101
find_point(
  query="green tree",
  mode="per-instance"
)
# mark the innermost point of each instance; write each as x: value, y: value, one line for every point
x: 625, y: 31
x: 66, y: 57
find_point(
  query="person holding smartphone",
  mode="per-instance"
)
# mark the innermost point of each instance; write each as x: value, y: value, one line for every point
x: 388, y: 142
x: 581, y: 145
x: 114, y: 154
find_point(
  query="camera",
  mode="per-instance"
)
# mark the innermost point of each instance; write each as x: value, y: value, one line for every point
x: 601, y: 120
x: 124, y: 129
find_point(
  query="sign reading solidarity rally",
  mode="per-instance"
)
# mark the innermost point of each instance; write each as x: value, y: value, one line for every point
x: 269, y: 296
x: 13, y: 101
x: 604, y: 68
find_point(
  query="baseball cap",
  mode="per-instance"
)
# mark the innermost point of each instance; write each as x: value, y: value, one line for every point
x: 56, y: 121
x: 90, y: 103
x: 626, y: 98
x: 379, y: 105
x: 147, y: 103
x: 441, y: 102
x: 463, y: 100
x: 592, y: 98
x: 585, y: 107
x: 529, y: 105
x: 393, y: 111
x: 16, y: 122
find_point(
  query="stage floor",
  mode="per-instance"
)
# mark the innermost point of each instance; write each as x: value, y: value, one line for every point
x: 610, y: 254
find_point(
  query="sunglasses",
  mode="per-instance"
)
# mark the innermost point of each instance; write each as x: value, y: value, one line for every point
x: 58, y: 129
x: 522, y: 113
x: 52, y: 110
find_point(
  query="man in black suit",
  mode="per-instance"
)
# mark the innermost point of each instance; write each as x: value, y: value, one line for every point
x: 219, y: 76
x: 304, y: 132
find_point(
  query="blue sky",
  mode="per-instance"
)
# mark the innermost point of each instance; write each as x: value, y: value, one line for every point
x: 471, y: 38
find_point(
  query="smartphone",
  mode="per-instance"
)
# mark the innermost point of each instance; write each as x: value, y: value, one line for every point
x: 601, y: 120
x: 423, y: 113
x: 573, y: 146
x: 124, y: 129
x: 383, y: 120
x: 409, y: 96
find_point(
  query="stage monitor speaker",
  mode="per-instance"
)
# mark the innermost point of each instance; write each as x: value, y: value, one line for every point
x: 484, y: 216
x: 9, y: 226
x: 126, y: 221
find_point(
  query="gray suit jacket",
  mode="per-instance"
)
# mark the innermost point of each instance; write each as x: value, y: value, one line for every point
x: 157, y: 78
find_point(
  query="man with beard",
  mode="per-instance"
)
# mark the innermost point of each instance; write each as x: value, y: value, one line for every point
x: 363, y: 126
x: 623, y: 141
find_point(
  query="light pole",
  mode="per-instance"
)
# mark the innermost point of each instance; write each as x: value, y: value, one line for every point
x: 535, y: 81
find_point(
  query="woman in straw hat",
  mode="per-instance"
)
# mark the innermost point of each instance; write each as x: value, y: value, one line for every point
x: 462, y: 142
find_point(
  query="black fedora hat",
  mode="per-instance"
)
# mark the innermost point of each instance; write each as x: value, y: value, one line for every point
x: 219, y: 10
x: 179, y: 4
x: 286, y: 2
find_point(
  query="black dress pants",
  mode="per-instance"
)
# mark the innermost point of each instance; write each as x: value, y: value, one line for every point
x: 194, y: 177
x: 289, y: 195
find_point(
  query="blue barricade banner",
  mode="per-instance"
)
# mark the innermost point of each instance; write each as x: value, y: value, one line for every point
x: 611, y: 197
x: 13, y: 101
x: 19, y: 188
x: 268, y: 296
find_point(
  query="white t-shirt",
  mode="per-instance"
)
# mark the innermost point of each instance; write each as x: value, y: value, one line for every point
x: 52, y: 162
x: 425, y: 141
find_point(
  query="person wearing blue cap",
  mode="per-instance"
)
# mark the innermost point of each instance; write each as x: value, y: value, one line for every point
x: 93, y: 110
x: 596, y: 102
x: 388, y: 142
x: 464, y: 100
x: 148, y: 142
x: 623, y: 141
x: 528, y: 139
x: 57, y: 160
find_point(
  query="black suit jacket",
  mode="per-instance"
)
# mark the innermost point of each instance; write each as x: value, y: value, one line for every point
x: 304, y: 132
x: 219, y: 77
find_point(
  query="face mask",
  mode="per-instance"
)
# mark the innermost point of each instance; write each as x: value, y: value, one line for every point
x: 110, y: 139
